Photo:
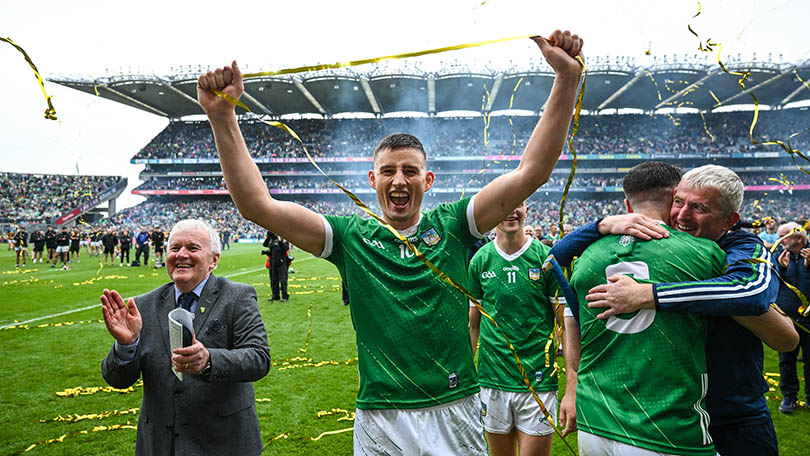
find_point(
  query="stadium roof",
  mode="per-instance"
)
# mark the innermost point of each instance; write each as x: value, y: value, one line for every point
x: 333, y: 92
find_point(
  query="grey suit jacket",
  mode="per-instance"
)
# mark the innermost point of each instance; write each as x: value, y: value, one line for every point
x: 209, y: 416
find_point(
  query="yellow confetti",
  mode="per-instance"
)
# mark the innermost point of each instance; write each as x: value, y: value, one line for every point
x: 324, y: 434
x: 50, y: 112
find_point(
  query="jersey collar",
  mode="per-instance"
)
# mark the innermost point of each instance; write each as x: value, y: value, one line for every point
x: 517, y: 254
x: 411, y: 230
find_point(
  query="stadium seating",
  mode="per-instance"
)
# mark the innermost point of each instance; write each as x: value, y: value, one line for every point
x: 38, y: 198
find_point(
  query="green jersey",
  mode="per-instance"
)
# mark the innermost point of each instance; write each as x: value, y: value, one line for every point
x: 412, y: 327
x: 521, y: 298
x: 642, y: 376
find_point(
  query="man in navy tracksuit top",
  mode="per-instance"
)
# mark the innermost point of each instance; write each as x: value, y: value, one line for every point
x: 142, y: 246
x: 706, y: 204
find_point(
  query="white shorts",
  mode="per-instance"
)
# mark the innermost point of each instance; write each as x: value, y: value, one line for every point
x: 96, y: 244
x: 503, y: 411
x: 61, y: 248
x: 19, y: 248
x: 453, y: 428
x: 594, y: 445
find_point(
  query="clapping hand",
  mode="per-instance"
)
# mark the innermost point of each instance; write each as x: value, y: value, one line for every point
x: 123, y: 320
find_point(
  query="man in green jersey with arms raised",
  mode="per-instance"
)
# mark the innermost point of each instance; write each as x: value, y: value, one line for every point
x: 640, y: 381
x: 507, y: 277
x: 417, y: 383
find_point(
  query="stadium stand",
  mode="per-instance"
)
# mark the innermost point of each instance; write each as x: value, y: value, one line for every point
x: 606, y: 145
x: 47, y: 198
x: 182, y: 176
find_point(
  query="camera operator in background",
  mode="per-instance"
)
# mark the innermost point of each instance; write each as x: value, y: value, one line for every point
x: 125, y: 241
x: 225, y: 235
x: 279, y: 262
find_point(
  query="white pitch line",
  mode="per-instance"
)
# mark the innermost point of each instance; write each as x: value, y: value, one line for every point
x: 99, y: 304
x: 51, y: 316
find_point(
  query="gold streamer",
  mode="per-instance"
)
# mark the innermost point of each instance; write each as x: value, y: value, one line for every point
x: 61, y: 438
x: 798, y: 325
x: 706, y: 127
x: 54, y: 325
x: 348, y: 416
x: 486, y: 117
x: 406, y: 55
x: 307, y: 362
x: 790, y: 233
x: 571, y: 143
x: 512, y: 125
x: 71, y: 418
x: 324, y: 434
x: 785, y: 145
x: 50, y: 112
x: 81, y: 391
x: 804, y: 309
x: 715, y: 97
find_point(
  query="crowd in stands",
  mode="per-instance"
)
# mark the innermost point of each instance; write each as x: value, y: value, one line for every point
x: 723, y: 132
x: 458, y: 181
x: 40, y: 197
x: 545, y: 210
x: 222, y: 215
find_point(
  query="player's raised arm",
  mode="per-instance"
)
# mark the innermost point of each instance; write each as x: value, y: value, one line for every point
x: 501, y: 196
x: 291, y: 221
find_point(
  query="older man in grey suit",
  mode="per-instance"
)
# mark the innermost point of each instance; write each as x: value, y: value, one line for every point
x: 212, y: 411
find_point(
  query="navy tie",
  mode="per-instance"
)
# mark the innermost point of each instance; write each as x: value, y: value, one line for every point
x: 186, y: 300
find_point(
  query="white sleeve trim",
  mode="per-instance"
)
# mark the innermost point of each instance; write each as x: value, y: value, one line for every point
x: 567, y: 312
x: 471, y: 219
x: 472, y: 303
x: 327, y: 238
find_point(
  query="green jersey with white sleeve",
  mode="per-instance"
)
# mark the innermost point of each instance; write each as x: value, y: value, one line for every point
x: 642, y: 376
x: 515, y: 291
x: 411, y: 326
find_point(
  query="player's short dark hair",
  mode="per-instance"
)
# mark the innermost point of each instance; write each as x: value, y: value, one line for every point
x: 651, y: 181
x: 400, y: 141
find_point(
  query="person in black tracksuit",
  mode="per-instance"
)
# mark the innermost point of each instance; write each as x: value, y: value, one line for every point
x: 38, y: 239
x: 50, y: 243
x: 279, y: 263
x: 125, y: 241
x: 109, y: 240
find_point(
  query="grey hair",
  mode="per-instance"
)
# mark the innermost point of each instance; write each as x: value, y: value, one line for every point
x: 794, y: 227
x: 723, y: 179
x: 195, y: 224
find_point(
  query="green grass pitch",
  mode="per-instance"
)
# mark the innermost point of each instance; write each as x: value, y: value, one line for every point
x: 66, y: 353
